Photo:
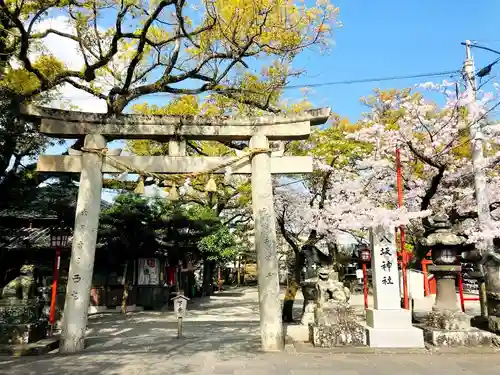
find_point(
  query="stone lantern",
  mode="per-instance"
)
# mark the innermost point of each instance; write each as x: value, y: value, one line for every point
x: 445, y: 247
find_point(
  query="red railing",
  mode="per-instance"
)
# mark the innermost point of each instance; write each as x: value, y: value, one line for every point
x: 461, y: 293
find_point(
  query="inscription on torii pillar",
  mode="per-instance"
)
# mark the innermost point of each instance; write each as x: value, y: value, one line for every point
x: 98, y: 128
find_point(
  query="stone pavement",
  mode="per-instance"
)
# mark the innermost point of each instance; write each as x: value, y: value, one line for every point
x: 222, y: 337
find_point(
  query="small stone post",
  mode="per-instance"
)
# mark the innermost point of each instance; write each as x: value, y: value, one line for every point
x: 83, y: 250
x: 266, y: 247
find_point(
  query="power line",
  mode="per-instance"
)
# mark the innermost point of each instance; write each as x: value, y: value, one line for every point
x: 380, y: 79
x: 336, y: 83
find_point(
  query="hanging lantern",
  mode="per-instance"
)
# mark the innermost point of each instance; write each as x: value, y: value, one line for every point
x: 139, y: 189
x: 365, y: 255
x: 211, y: 186
x: 173, y: 194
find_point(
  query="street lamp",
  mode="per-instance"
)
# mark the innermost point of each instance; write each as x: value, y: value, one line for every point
x: 365, y: 255
x: 58, y: 239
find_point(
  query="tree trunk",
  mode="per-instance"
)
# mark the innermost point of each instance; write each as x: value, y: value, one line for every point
x: 333, y: 251
x: 299, y: 263
x: 208, y: 266
x: 126, y: 276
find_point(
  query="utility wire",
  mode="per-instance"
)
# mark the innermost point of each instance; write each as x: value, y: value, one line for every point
x: 335, y: 83
x: 380, y: 79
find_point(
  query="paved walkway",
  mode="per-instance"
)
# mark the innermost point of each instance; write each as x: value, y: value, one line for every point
x: 222, y: 337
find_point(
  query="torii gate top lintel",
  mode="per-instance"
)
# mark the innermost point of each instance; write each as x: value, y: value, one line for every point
x: 73, y: 124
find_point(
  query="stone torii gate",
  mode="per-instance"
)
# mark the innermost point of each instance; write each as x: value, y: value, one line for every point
x: 91, y: 165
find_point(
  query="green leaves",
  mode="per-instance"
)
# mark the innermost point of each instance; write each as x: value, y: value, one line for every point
x: 129, y: 225
x: 220, y: 245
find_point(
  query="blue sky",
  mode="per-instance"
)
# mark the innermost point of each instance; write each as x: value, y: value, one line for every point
x: 393, y: 37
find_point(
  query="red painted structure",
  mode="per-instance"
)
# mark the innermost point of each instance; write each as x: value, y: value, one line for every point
x: 404, y: 257
x: 55, y: 280
x: 365, y: 257
x: 461, y: 293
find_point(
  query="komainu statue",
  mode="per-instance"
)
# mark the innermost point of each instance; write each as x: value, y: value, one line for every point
x: 330, y: 294
x: 22, y: 288
x: 21, y: 319
x: 335, y: 321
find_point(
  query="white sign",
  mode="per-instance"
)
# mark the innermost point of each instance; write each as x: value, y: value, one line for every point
x: 385, y: 274
x: 149, y: 271
x: 180, y: 308
x: 180, y: 305
x: 359, y: 274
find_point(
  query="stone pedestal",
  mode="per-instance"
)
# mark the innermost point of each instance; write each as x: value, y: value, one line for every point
x: 392, y: 329
x: 309, y: 294
x: 446, y: 294
x: 21, y: 322
x: 452, y: 328
x: 15, y: 334
x: 447, y: 325
x: 336, y: 326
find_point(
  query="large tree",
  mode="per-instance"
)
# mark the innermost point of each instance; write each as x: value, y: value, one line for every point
x: 122, y: 50
x: 169, y: 46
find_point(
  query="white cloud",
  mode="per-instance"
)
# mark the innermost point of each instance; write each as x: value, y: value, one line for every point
x: 68, y: 52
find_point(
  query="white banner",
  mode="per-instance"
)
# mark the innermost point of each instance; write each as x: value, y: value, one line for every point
x: 149, y: 271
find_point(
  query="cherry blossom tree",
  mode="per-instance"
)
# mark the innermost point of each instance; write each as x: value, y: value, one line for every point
x: 435, y: 150
x: 354, y: 185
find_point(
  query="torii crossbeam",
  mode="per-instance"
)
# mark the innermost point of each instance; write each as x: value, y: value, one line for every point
x: 100, y: 128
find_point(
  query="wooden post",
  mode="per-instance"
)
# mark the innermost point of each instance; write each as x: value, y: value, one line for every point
x: 404, y: 258
x: 461, y: 291
x: 239, y: 270
x: 365, y: 285
x: 179, y: 327
x: 271, y: 324
x: 53, y: 300
x: 176, y: 147
x: 83, y: 251
x: 219, y: 278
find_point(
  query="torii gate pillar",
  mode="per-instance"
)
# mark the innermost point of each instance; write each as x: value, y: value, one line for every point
x: 271, y: 326
x: 81, y: 265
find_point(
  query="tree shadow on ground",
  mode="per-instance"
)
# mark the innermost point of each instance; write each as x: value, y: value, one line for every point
x: 114, y: 344
x: 223, y: 326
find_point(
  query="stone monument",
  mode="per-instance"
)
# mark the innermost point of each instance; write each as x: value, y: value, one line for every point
x: 335, y: 322
x: 447, y: 325
x: 388, y: 325
x: 21, y: 313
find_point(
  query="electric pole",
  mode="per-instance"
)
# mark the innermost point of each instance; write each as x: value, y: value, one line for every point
x: 478, y: 166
